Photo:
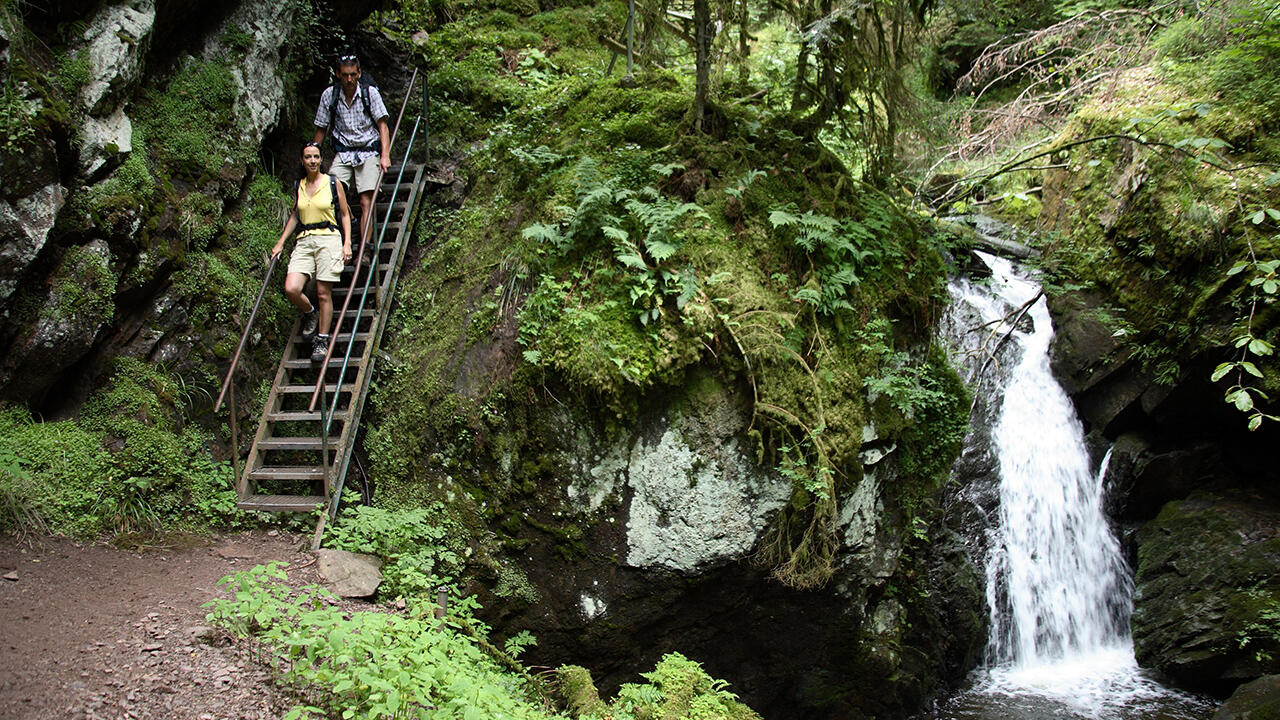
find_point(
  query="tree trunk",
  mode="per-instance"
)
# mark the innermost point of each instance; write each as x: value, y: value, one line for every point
x: 702, y: 28
x: 798, y: 101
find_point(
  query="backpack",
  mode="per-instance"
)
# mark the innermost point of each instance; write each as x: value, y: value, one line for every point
x: 333, y: 197
x: 362, y: 92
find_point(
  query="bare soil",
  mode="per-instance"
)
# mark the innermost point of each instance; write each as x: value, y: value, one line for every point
x: 92, y: 631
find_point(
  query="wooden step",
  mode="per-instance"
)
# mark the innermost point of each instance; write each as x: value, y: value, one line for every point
x: 342, y: 337
x: 287, y: 472
x: 308, y: 389
x: 281, y: 503
x: 334, y: 362
x: 301, y: 416
x: 294, y: 443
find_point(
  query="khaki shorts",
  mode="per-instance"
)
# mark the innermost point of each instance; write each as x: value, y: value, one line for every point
x: 319, y: 256
x: 366, y: 174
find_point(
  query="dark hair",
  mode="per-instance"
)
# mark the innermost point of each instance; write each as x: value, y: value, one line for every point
x: 347, y: 60
x: 309, y: 144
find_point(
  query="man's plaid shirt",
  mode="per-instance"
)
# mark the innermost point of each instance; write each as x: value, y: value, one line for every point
x: 353, y: 128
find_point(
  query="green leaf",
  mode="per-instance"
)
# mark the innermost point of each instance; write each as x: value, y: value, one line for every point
x: 1255, y: 422
x: 781, y: 219
x: 1251, y: 368
x: 1242, y: 400
x: 1237, y: 268
x: 1257, y: 217
x: 631, y: 259
x: 1221, y: 371
x: 1273, y: 213
x: 660, y: 250
x: 1258, y: 346
x: 1269, y: 287
x: 532, y: 356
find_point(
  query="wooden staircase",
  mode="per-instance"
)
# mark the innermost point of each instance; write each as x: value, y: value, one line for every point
x: 299, y: 456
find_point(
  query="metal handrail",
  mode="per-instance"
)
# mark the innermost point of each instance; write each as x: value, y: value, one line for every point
x: 355, y: 273
x: 244, y: 337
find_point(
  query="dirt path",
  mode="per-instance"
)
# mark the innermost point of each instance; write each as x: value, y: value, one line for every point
x: 89, y: 631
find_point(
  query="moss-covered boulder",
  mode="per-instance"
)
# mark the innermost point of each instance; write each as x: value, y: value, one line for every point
x: 1258, y: 700
x: 1207, y: 603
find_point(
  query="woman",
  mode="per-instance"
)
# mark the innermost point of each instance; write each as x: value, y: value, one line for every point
x: 320, y: 251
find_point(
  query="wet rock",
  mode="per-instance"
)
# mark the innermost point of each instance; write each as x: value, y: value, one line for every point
x: 25, y: 223
x: 1257, y: 700
x: 12, y: 576
x: 103, y: 142
x: 115, y: 42
x: 1206, y: 578
x: 77, y: 306
x: 349, y: 574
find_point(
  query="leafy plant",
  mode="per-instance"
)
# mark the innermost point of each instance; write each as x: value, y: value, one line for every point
x: 1264, y: 287
x: 840, y: 251
x: 372, y: 665
x: 414, y: 545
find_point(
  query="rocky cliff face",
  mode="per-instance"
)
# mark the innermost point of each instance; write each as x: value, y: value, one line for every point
x: 624, y: 543
x: 129, y: 185
x: 1135, y: 351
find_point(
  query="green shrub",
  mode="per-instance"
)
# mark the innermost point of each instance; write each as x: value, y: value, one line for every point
x: 419, y: 552
x: 130, y: 463
x: 372, y: 665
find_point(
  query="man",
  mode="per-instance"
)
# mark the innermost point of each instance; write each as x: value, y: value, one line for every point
x: 361, y: 142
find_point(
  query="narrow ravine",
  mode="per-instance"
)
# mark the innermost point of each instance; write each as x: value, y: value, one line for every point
x: 1058, y: 588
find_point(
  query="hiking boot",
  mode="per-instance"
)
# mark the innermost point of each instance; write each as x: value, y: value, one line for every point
x: 310, y: 321
x: 319, y: 347
x: 366, y: 255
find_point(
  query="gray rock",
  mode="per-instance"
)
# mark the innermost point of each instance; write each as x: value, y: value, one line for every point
x: 349, y: 574
x: 697, y: 498
x: 1206, y: 578
x: 257, y: 70
x: 1258, y: 700
x: 115, y: 43
x: 104, y: 142
x: 872, y: 548
x: 25, y: 223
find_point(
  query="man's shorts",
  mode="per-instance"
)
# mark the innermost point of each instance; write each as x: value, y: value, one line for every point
x: 366, y: 174
x: 319, y: 256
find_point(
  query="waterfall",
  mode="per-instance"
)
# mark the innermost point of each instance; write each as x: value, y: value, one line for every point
x: 1057, y: 582
x: 1058, y: 588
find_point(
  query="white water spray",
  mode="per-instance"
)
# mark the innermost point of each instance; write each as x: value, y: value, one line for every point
x: 1058, y: 588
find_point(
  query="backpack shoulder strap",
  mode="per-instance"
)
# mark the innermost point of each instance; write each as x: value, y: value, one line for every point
x: 333, y: 106
x: 333, y: 196
x: 368, y: 106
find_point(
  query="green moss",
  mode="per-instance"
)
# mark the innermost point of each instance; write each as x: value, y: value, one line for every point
x: 83, y: 289
x: 72, y: 73
x: 127, y: 194
x: 576, y: 688
x: 189, y: 124
x: 1156, y: 231
x: 627, y: 253
x: 129, y: 463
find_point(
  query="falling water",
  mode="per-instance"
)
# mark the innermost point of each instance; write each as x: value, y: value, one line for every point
x: 1058, y: 587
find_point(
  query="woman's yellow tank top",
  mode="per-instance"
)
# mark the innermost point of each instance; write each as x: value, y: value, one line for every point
x: 318, y: 208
